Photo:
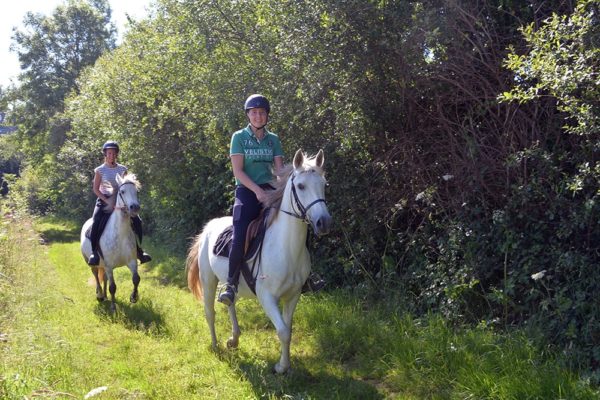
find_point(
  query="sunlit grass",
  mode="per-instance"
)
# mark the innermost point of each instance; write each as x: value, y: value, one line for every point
x: 60, y: 342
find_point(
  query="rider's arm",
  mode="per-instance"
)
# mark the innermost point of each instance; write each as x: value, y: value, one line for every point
x: 278, y: 162
x: 96, y: 187
x: 237, y: 162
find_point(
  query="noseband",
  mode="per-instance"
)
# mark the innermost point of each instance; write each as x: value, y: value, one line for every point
x: 297, y: 204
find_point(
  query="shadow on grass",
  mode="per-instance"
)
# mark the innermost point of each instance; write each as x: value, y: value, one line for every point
x: 57, y: 230
x: 298, y: 382
x: 53, y: 235
x: 170, y: 270
x: 141, y: 316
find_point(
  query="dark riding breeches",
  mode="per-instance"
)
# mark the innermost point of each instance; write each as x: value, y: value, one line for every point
x: 99, y: 217
x: 245, y: 209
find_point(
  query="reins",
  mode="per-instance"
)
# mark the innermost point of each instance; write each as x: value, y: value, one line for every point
x: 298, y: 204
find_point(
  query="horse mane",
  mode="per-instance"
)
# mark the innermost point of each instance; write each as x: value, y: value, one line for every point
x: 274, y: 197
x: 111, y: 190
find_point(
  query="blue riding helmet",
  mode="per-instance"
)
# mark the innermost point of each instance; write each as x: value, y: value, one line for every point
x: 257, y: 101
x: 111, y: 144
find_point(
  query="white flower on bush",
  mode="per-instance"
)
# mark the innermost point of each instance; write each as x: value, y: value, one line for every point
x: 538, y: 275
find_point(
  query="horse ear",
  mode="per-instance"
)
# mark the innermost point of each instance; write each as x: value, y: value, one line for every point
x: 119, y: 179
x: 298, y: 159
x: 320, y: 158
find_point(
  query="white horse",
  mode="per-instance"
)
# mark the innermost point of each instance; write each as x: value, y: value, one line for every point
x: 118, y: 240
x: 284, y: 262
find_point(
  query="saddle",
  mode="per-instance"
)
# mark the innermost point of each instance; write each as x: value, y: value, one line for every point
x: 254, y: 240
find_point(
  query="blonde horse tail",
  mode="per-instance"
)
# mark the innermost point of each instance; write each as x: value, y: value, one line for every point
x: 193, y: 269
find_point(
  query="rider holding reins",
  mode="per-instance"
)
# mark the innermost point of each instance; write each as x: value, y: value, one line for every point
x: 254, y: 152
x: 103, y: 175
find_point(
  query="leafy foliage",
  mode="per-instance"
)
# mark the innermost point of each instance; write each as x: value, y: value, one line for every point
x: 53, y: 51
x: 445, y: 195
x: 552, y: 216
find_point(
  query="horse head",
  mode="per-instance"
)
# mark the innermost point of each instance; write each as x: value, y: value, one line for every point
x: 126, y: 194
x: 307, y: 186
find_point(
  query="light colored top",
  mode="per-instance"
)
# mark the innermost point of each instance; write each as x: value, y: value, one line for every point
x: 109, y: 175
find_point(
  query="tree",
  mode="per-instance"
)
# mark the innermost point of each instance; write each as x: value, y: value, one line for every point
x: 53, y: 51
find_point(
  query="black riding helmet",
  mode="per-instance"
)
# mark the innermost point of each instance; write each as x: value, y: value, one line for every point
x: 257, y: 101
x: 111, y: 144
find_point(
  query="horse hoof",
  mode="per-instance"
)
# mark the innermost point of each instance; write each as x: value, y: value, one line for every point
x: 100, y: 299
x: 232, y: 344
x: 277, y: 369
x: 133, y: 299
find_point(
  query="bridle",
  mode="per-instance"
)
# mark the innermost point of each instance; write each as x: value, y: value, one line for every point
x: 124, y: 208
x: 297, y: 204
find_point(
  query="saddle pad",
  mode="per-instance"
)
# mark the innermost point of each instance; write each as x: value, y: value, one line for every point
x: 223, y: 244
x: 88, y: 232
x: 255, y: 236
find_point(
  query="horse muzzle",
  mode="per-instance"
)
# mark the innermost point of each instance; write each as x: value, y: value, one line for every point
x: 322, y: 225
x: 134, y: 209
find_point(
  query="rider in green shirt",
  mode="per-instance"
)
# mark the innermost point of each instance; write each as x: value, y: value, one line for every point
x: 254, y: 152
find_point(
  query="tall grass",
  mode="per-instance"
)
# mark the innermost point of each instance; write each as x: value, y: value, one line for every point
x: 59, y: 342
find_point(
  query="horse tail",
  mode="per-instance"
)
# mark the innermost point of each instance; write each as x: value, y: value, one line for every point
x: 192, y: 268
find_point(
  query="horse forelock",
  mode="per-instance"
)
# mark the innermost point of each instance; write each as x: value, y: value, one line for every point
x: 131, y: 178
x: 310, y: 163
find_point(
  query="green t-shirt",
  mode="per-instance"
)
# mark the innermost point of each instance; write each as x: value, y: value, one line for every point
x: 258, y: 155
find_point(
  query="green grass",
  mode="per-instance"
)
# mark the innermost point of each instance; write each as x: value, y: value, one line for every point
x: 59, y: 342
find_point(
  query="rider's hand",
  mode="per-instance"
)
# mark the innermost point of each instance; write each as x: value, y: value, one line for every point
x: 261, y: 195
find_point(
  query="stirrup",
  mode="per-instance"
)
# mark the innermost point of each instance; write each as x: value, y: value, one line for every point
x: 227, y: 297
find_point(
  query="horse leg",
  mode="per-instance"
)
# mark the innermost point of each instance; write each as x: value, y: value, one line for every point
x: 135, y: 278
x: 112, y: 289
x: 99, y: 294
x: 209, y: 283
x: 233, y: 341
x: 288, y: 309
x: 288, y: 313
x: 271, y: 306
x: 105, y: 279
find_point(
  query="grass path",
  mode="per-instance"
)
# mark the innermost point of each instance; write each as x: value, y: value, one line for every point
x: 57, y: 341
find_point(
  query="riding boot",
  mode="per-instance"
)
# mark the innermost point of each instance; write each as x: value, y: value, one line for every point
x: 313, y: 284
x: 136, y: 225
x: 143, y: 256
x: 227, y: 296
x: 94, y: 258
